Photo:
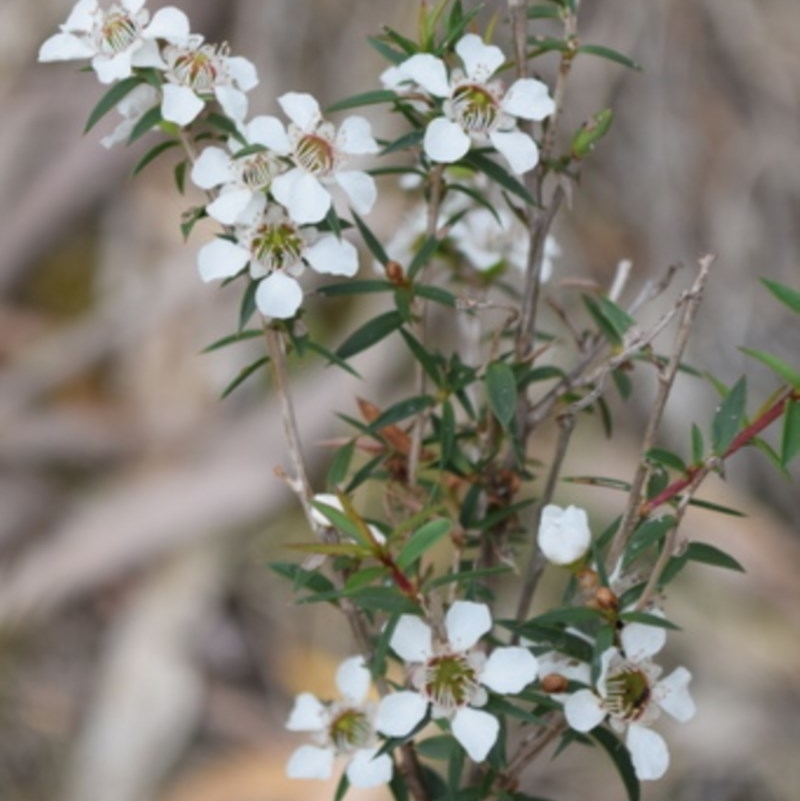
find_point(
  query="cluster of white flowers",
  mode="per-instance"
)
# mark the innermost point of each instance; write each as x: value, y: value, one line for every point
x: 270, y: 183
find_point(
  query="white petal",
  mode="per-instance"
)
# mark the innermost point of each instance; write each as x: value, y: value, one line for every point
x: 445, y: 141
x: 648, y: 752
x: 132, y: 6
x: 279, y: 296
x: 64, y: 47
x: 270, y: 132
x: 355, y: 137
x: 529, y: 99
x: 310, y: 762
x: 113, y: 69
x: 119, y: 134
x: 168, y: 23
x: 304, y: 196
x: 180, y: 105
x: 301, y: 108
x: 509, y: 670
x: 329, y: 499
x: 221, y: 258
x: 81, y: 18
x: 148, y: 55
x: 212, y: 168
x: 518, y: 149
x: 672, y: 695
x: 466, y: 622
x: 353, y: 679
x: 233, y: 102
x: 480, y: 60
x: 360, y: 189
x: 429, y: 72
x: 412, y: 639
x: 400, y: 713
x: 640, y: 641
x: 564, y: 535
x: 228, y: 207
x: 367, y: 770
x: 476, y: 731
x: 332, y: 256
x: 583, y: 710
x: 243, y: 72
x: 308, y: 714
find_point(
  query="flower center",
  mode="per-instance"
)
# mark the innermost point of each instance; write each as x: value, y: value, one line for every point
x: 197, y: 69
x: 257, y: 171
x: 314, y: 154
x: 450, y: 681
x: 117, y: 31
x: 628, y: 693
x: 350, y: 730
x: 475, y: 108
x: 277, y: 246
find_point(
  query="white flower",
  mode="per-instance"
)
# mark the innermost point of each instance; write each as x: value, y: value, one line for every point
x: 197, y: 72
x: 340, y: 728
x: 319, y: 152
x: 564, y: 535
x: 277, y: 251
x: 477, y: 109
x: 116, y: 40
x: 451, y: 677
x: 630, y: 693
x: 240, y: 179
x: 131, y: 107
x: 488, y: 241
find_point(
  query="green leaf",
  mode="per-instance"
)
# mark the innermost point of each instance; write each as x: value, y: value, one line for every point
x: 363, y: 99
x: 612, y: 325
x: 421, y: 541
x: 447, y: 432
x: 667, y: 459
x: 179, y: 173
x: 785, y: 371
x: 190, y: 218
x: 613, y: 746
x: 611, y: 55
x: 543, y: 12
x: 711, y: 555
x: 247, y: 307
x: 698, y: 446
x: 244, y: 374
x: 493, y: 519
x: 222, y: 123
x: 339, y: 520
x: 400, y: 411
x: 498, y: 175
x: 153, y: 154
x: 622, y: 382
x: 342, y: 787
x: 436, y: 294
x: 301, y: 578
x: 330, y: 357
x: 372, y: 331
x: 467, y: 576
x: 427, y: 362
x: 241, y: 336
x: 149, y: 120
x: 340, y: 464
x: 647, y: 534
x: 716, y: 507
x: 728, y: 417
x: 790, y: 441
x: 389, y: 53
x: 110, y: 99
x: 371, y: 241
x: 785, y: 294
x: 384, y: 599
x: 648, y: 620
x: 365, y: 287
x: 618, y: 317
x: 439, y: 748
x: 568, y: 616
x: 405, y: 142
x: 422, y: 256
x: 501, y: 389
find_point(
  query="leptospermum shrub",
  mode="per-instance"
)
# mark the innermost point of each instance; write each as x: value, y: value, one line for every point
x: 454, y: 689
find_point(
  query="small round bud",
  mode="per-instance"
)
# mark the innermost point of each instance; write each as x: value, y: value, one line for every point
x: 605, y: 599
x: 395, y: 274
x: 554, y: 683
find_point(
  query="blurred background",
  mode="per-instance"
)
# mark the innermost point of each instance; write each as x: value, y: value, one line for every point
x: 146, y: 653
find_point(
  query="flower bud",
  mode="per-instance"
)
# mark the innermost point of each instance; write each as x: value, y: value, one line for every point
x: 554, y: 683
x: 564, y: 534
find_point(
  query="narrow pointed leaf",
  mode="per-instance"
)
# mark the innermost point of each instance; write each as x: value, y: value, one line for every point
x: 619, y: 755
x: 501, y: 390
x: 371, y: 332
x: 790, y: 441
x: 110, y: 99
x: 421, y: 541
x: 729, y: 416
x: 785, y: 294
x: 244, y: 374
x: 784, y: 370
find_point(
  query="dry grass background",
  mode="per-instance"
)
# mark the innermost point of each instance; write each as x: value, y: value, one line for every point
x: 145, y: 653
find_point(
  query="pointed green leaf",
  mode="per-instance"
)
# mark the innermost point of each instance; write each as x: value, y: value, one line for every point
x: 427, y: 362
x: 647, y: 534
x: 498, y: 175
x: 371, y: 241
x: 363, y: 99
x: 785, y: 371
x: 611, y: 55
x: 422, y: 256
x: 698, y: 446
x: 372, y: 331
x: 232, y: 339
x: 149, y: 120
x: 614, y: 747
x: 790, y: 441
x: 711, y: 555
x: 110, y: 99
x: 728, y: 417
x: 785, y: 294
x: 666, y: 458
x: 153, y: 154
x: 400, y: 411
x: 340, y: 465
x: 648, y: 620
x: 436, y: 294
x: 357, y: 287
x: 244, y: 374
x: 501, y: 390
x: 421, y: 541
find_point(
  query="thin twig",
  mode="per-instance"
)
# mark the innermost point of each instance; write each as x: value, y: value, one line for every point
x: 666, y: 379
x: 531, y: 749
